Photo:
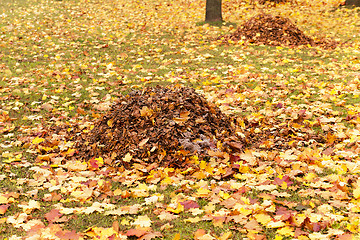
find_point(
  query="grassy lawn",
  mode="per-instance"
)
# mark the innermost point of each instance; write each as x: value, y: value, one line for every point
x: 63, y: 63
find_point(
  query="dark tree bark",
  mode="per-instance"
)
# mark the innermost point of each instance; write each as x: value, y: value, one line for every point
x: 213, y: 11
x: 353, y: 2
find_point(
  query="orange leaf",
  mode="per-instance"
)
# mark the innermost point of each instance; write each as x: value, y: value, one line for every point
x: 176, y: 237
x: 3, y: 208
x: 253, y: 225
x: 53, y: 215
x: 136, y: 232
x: 199, y: 233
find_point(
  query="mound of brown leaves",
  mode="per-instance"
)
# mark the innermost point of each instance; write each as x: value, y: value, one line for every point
x: 274, y: 31
x: 162, y: 125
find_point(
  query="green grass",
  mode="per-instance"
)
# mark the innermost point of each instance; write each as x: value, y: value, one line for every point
x: 217, y: 24
x: 73, y: 56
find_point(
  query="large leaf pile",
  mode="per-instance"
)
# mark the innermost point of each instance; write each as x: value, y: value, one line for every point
x: 161, y: 125
x: 274, y: 31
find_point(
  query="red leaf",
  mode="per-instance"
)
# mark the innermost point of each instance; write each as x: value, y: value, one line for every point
x: 299, y: 232
x: 93, y: 163
x: 68, y: 235
x: 53, y: 215
x: 285, y: 179
x: 316, y: 227
x: 234, y: 158
x: 237, y: 146
x: 190, y: 204
x: 345, y: 237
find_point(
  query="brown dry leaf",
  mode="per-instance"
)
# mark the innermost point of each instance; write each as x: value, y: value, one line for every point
x: 249, y: 158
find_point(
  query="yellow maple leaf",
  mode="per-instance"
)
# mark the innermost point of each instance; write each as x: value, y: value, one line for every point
x: 117, y: 192
x: 203, y: 191
x: 203, y: 165
x: 224, y: 195
x: 82, y: 195
x: 225, y: 236
x: 37, y: 140
x: 125, y: 222
x: 110, y: 122
x: 141, y: 191
x: 242, y: 210
x: 357, y: 192
x: 263, y: 218
x: 32, y: 205
x: 76, y: 166
x: 167, y: 181
x: 106, y: 233
x: 146, y: 112
x: 310, y: 176
x: 286, y: 231
x: 193, y: 220
x: 100, y: 160
x: 176, y: 237
x: 196, y: 211
x: 3, y: 200
x: 142, y: 221
x: 278, y: 237
x: 277, y: 224
x: 127, y: 157
x: 179, y: 208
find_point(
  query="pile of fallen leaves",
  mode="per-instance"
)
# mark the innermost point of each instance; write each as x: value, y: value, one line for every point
x: 159, y: 125
x: 274, y: 31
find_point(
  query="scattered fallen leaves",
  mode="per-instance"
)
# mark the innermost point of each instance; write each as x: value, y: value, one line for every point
x: 245, y: 141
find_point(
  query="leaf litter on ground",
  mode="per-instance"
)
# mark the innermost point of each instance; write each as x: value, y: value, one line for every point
x: 297, y: 111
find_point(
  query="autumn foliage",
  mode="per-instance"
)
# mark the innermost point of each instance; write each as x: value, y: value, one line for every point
x: 164, y: 125
x: 132, y: 119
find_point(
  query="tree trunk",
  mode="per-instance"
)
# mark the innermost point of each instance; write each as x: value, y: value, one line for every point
x: 353, y: 2
x: 213, y: 11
